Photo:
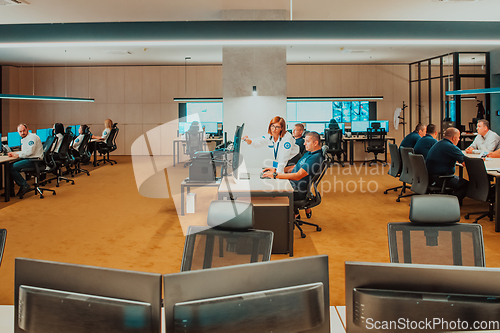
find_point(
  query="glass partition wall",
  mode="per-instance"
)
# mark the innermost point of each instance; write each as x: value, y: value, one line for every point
x: 431, y: 78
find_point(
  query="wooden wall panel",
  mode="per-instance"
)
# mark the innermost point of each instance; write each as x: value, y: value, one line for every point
x: 133, y: 84
x: 80, y: 82
x: 151, y: 90
x: 98, y: 84
x: 115, y: 85
x: 133, y: 114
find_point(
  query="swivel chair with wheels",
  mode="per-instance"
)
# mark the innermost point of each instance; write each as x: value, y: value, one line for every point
x: 406, y: 172
x: 231, y: 240
x: 194, y: 143
x: 480, y: 187
x: 104, y: 148
x: 312, y: 199
x: 396, y: 165
x: 421, y: 183
x: 434, y: 235
x: 375, y: 143
x: 82, y: 155
x: 3, y: 236
x: 333, y: 139
x: 63, y: 159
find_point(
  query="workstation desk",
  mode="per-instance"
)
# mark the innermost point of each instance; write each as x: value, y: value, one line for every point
x: 5, y: 163
x: 350, y: 146
x: 177, y: 142
x: 270, y: 214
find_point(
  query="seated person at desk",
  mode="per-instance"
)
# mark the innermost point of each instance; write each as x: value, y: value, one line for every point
x: 78, y: 140
x: 58, y: 130
x: 485, y: 141
x: 411, y: 139
x: 108, y: 123
x: 441, y: 161
x: 301, y: 173
x: 31, y: 148
x: 279, y: 141
x: 425, y: 144
x: 298, y: 135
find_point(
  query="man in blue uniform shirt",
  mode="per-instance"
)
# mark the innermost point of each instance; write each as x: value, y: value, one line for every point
x: 441, y: 161
x: 411, y: 139
x: 424, y: 144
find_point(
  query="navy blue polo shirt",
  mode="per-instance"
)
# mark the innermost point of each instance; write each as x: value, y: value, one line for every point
x: 310, y: 162
x: 410, y: 140
x: 424, y: 144
x: 300, y: 142
x: 442, y: 157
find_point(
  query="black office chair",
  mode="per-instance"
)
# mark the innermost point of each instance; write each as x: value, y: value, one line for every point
x: 194, y: 143
x: 406, y: 172
x: 82, y: 155
x: 375, y: 143
x: 396, y: 165
x: 231, y: 240
x: 434, y: 237
x: 104, y: 148
x: 3, y: 237
x: 421, y: 183
x: 480, y: 187
x: 42, y: 166
x: 333, y: 139
x: 313, y: 197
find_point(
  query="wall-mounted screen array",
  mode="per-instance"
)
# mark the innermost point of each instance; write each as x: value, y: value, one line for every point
x: 209, y: 115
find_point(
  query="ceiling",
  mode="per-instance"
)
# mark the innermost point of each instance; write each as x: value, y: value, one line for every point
x: 341, y: 43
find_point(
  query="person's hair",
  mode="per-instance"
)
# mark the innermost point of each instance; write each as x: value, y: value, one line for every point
x: 450, y: 132
x: 485, y: 123
x: 22, y: 124
x: 301, y: 126
x: 108, y: 123
x: 84, y: 128
x: 419, y: 127
x: 281, y: 122
x: 431, y: 129
x: 58, y: 128
x: 315, y: 136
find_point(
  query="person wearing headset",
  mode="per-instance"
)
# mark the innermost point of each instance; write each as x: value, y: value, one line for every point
x: 280, y: 143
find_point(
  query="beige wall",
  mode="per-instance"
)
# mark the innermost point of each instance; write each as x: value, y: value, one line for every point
x: 141, y: 98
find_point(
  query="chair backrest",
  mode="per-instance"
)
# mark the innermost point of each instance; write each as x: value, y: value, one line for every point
x: 333, y: 139
x: 313, y: 197
x: 64, y: 148
x: 420, y: 177
x: 434, y: 237
x: 115, y: 135
x: 231, y: 241
x: 396, y: 165
x: 406, y: 171
x: 3, y: 236
x: 479, y: 183
x: 375, y: 139
x: 83, y: 149
x: 194, y: 142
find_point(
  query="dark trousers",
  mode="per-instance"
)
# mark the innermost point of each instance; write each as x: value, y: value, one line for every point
x: 15, y: 171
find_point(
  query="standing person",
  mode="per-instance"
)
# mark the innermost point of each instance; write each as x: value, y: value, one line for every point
x: 279, y: 141
x: 411, y: 139
x: 441, y: 161
x: 425, y: 144
x: 485, y: 141
x: 31, y: 147
x: 108, y: 123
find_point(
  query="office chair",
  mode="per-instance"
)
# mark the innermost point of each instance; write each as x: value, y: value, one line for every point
x: 3, y: 237
x: 194, y: 143
x: 62, y: 159
x: 406, y: 172
x: 313, y: 197
x: 421, y: 183
x: 238, y: 243
x: 104, y: 148
x: 375, y: 143
x: 82, y: 155
x: 480, y: 187
x: 42, y: 166
x: 434, y: 235
x: 396, y: 165
x: 333, y: 139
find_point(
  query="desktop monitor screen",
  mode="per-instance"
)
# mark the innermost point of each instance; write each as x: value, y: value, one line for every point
x: 236, y: 147
x: 184, y: 127
x: 316, y: 127
x: 77, y: 129
x: 13, y: 139
x: 210, y: 128
x: 359, y: 126
x: 383, y: 124
x: 44, y: 133
x: 60, y: 297
x: 399, y: 297
x: 282, y: 296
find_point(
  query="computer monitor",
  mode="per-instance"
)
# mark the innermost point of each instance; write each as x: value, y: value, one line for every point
x: 183, y: 127
x: 13, y: 139
x: 398, y: 297
x: 60, y: 297
x: 283, y: 296
x: 316, y: 127
x: 383, y: 124
x: 77, y: 129
x: 210, y: 128
x: 44, y: 133
x: 342, y: 127
x: 236, y: 148
x: 360, y: 126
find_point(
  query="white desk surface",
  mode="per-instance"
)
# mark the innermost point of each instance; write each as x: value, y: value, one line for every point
x: 255, y: 184
x: 491, y: 164
x: 7, y: 319
x: 4, y: 159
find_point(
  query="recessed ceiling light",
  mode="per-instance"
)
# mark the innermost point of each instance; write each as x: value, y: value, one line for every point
x: 117, y: 52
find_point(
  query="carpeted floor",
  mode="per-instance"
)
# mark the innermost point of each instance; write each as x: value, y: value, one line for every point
x: 103, y: 221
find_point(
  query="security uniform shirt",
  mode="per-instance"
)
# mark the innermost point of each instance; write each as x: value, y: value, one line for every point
x: 310, y: 162
x: 105, y: 133
x: 410, y: 140
x: 442, y: 157
x: 31, y: 147
x: 77, y: 142
x: 282, y: 150
x: 424, y: 145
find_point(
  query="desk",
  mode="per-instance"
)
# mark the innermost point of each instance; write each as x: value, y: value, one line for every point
x: 256, y: 187
x: 94, y: 142
x: 7, y: 319
x: 176, y: 143
x: 5, y: 161
x: 492, y: 165
x: 350, y: 143
x: 187, y: 184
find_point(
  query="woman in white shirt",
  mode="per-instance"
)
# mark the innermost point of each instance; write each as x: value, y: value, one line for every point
x: 279, y: 141
x: 78, y: 140
x: 108, y: 123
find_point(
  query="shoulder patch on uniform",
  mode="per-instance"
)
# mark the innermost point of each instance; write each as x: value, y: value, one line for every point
x: 77, y: 140
x: 31, y: 143
x: 287, y: 145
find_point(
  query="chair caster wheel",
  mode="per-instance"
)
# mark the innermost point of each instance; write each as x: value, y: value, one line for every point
x: 41, y: 197
x: 385, y: 192
x: 466, y: 216
x: 54, y: 193
x: 303, y: 235
x: 318, y: 229
x: 398, y: 200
